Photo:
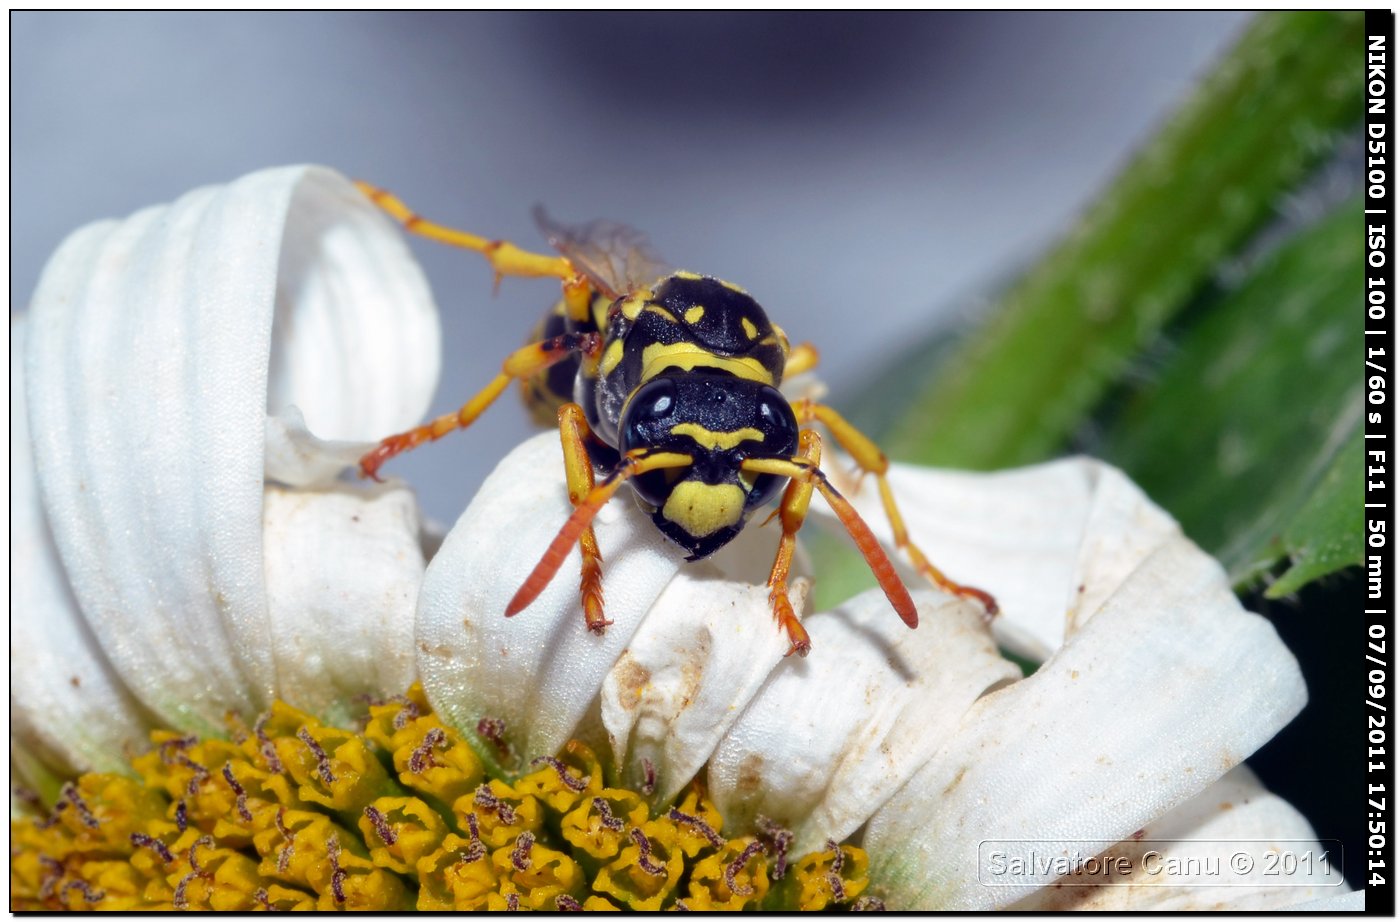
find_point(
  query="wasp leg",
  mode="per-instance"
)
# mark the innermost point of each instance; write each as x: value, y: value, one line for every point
x: 873, y: 461
x: 802, y: 357
x: 505, y: 257
x: 801, y: 469
x: 578, y: 472
x: 521, y: 363
x: 634, y: 464
x: 793, y: 512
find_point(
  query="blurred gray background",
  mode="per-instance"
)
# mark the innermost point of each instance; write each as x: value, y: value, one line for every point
x: 866, y: 177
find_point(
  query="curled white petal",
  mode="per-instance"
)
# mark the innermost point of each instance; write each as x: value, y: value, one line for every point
x: 830, y: 738
x: 296, y: 457
x: 1050, y: 541
x: 343, y: 569
x: 1168, y: 686
x: 700, y: 655
x: 67, y: 705
x: 541, y: 670
x: 1224, y: 848
x: 158, y: 346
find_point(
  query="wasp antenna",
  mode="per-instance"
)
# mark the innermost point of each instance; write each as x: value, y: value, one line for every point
x: 802, y: 469
x: 584, y: 512
x: 870, y: 549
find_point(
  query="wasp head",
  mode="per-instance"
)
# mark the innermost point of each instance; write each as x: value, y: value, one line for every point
x: 719, y: 420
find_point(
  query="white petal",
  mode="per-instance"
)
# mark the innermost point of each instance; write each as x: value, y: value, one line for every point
x: 150, y: 385
x: 298, y: 458
x: 1168, y: 686
x: 831, y: 737
x: 541, y: 670
x: 343, y: 570
x: 1355, y: 901
x: 700, y: 655
x: 1050, y: 542
x: 1212, y: 852
x: 67, y: 706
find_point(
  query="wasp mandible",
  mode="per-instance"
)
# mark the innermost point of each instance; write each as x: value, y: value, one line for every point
x: 668, y: 381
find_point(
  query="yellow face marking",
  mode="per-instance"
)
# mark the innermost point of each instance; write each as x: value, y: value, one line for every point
x: 750, y: 330
x: 632, y: 307
x: 720, y: 440
x: 661, y: 312
x: 694, y: 314
x: 704, y: 508
x: 688, y: 356
x: 612, y: 357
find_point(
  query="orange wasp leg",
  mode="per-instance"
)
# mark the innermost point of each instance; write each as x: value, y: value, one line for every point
x: 792, y: 512
x: 632, y: 465
x: 873, y: 461
x: 505, y: 257
x: 578, y: 473
x: 520, y: 364
x: 801, y: 469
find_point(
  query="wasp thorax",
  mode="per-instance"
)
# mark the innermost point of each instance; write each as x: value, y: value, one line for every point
x: 719, y: 421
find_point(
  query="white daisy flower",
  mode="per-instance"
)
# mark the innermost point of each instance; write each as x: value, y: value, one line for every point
x: 190, y: 573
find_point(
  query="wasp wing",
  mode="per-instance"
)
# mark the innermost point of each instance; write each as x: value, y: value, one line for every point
x: 616, y: 258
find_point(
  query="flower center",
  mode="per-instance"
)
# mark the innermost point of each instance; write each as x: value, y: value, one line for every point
x: 294, y: 814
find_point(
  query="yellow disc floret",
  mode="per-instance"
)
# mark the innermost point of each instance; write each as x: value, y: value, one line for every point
x: 290, y: 813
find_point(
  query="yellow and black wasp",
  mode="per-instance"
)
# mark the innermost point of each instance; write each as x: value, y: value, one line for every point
x: 668, y: 381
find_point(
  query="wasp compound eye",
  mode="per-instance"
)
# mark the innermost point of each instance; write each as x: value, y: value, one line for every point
x: 647, y: 418
x: 777, y: 421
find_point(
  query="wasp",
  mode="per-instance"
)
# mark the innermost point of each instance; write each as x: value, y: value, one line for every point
x: 666, y: 381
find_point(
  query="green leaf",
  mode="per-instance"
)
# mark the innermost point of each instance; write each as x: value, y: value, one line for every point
x: 1250, y: 435
x: 1327, y: 534
x: 1065, y: 333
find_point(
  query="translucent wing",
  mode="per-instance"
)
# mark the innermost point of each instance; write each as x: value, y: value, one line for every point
x: 616, y: 258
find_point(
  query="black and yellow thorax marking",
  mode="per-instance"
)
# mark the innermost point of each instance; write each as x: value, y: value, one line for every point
x: 684, y: 323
